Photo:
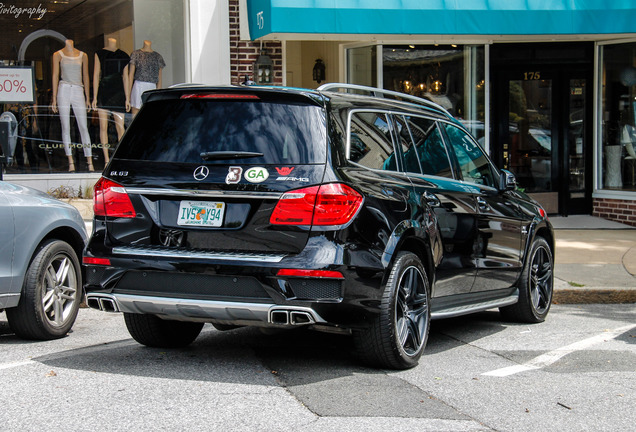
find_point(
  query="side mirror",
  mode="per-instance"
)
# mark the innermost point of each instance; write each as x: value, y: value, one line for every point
x: 507, y: 180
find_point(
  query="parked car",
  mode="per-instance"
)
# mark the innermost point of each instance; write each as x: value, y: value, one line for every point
x: 282, y: 207
x: 40, y: 272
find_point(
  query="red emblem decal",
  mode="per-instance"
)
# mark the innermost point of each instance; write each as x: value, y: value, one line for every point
x: 285, y: 171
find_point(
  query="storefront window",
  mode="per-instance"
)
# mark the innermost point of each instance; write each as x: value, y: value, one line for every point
x: 618, y: 107
x: 64, y: 69
x: 449, y: 75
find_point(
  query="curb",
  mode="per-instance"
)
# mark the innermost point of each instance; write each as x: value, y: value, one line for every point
x: 593, y: 296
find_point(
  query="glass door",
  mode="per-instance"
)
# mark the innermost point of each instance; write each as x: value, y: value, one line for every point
x: 579, y: 172
x: 543, y: 136
x: 530, y: 146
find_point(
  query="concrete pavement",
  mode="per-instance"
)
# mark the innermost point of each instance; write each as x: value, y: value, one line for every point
x: 595, y: 261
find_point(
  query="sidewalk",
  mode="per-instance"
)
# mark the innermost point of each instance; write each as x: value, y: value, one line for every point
x: 595, y: 261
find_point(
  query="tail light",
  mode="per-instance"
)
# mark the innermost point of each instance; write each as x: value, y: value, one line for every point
x: 329, y: 274
x: 110, y: 199
x: 96, y: 261
x: 329, y: 204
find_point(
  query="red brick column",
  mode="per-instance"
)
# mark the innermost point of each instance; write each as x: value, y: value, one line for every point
x: 623, y: 211
x: 243, y: 54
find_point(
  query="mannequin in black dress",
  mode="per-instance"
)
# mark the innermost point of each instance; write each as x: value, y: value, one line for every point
x: 110, y: 90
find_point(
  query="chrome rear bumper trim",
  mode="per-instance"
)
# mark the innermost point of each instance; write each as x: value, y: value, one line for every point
x: 225, y: 256
x: 204, y: 310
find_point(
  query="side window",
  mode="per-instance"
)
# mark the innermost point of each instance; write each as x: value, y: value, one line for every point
x: 371, y: 144
x: 403, y: 137
x: 473, y: 163
x: 429, y: 146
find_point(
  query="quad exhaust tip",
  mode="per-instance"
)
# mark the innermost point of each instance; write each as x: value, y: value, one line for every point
x: 104, y: 304
x: 290, y: 317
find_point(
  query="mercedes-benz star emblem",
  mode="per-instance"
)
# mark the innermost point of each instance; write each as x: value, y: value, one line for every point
x: 201, y: 173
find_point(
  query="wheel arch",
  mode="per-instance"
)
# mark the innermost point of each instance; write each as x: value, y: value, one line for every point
x: 548, y: 235
x: 540, y: 229
x: 409, y: 236
x: 73, y: 238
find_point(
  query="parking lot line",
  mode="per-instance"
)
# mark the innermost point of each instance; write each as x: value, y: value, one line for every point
x: 15, y: 364
x: 69, y: 352
x: 553, y: 356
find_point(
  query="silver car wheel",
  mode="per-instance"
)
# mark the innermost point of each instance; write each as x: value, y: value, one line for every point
x: 59, y: 290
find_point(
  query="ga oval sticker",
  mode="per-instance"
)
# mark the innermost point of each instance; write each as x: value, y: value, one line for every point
x: 256, y: 175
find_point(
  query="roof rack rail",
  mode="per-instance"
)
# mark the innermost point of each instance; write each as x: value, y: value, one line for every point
x: 381, y: 92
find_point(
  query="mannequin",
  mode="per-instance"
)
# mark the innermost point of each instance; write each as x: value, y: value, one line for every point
x: 70, y: 88
x: 110, y: 90
x: 144, y: 74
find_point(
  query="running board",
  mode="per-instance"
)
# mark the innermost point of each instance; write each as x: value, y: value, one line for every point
x: 475, y: 307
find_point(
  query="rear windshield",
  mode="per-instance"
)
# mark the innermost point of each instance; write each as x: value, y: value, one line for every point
x: 180, y: 130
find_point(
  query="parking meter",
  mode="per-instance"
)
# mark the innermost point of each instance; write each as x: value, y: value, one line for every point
x: 8, y: 135
x: 5, y: 130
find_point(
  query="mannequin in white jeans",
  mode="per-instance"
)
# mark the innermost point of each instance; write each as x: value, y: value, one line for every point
x: 71, y: 65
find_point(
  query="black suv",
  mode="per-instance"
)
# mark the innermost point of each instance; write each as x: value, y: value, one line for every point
x: 367, y: 213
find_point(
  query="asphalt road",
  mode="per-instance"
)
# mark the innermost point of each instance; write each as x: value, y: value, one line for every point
x: 575, y: 372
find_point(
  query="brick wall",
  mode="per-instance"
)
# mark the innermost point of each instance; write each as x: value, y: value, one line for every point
x: 623, y: 211
x: 243, y: 54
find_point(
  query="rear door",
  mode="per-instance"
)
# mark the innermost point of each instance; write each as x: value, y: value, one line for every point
x: 204, y: 170
x: 430, y: 171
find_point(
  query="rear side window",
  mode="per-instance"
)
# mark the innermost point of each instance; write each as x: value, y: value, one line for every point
x: 180, y: 130
x: 370, y: 140
x: 430, y: 148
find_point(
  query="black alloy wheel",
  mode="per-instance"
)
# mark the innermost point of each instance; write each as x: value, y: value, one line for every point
x: 536, y: 286
x: 411, y: 311
x: 399, y: 334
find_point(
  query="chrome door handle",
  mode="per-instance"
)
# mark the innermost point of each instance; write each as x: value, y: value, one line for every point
x: 432, y: 200
x: 482, y: 203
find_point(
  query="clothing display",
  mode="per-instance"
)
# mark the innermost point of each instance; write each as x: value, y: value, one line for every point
x: 138, y: 88
x: 71, y: 69
x: 110, y: 94
x: 72, y: 95
x: 147, y: 65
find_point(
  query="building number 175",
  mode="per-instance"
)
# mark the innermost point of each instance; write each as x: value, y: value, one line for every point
x: 529, y: 76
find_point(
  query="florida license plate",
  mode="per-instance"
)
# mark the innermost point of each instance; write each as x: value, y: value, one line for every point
x: 201, y: 213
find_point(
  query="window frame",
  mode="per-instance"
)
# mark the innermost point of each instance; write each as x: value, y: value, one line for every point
x: 396, y: 152
x: 451, y: 160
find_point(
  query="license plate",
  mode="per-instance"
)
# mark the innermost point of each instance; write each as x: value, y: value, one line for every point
x: 201, y: 213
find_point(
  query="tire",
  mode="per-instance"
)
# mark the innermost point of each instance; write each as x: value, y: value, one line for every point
x: 398, y: 335
x: 536, y: 286
x: 51, y: 294
x: 153, y: 331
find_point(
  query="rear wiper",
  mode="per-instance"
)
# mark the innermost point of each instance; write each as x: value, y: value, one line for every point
x: 220, y: 155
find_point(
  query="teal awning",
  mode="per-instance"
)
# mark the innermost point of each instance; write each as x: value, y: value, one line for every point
x: 441, y: 17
